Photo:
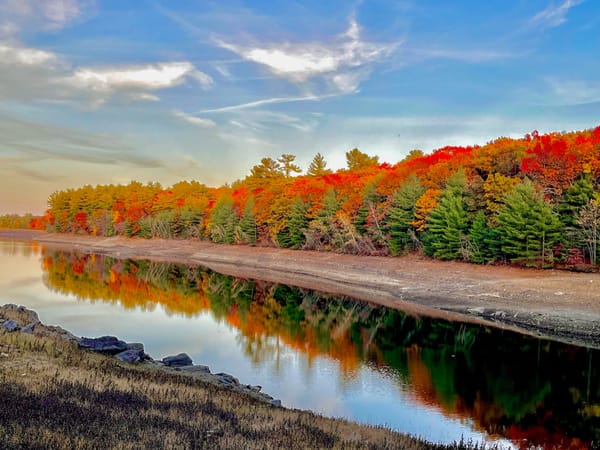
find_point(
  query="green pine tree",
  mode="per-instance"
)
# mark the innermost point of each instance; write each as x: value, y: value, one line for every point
x: 297, y: 223
x: 223, y: 222
x: 483, y: 241
x: 575, y: 198
x: 528, y: 228
x: 246, y: 229
x: 448, y: 223
x: 402, y: 213
x: 318, y: 166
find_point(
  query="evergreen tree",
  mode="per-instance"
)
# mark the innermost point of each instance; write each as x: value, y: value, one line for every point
x: 287, y: 164
x: 448, y: 223
x: 356, y: 160
x: 330, y: 205
x: 321, y: 234
x: 369, y: 220
x: 223, y: 222
x: 483, y: 242
x: 528, y: 228
x: 318, y: 166
x: 402, y: 213
x: 297, y: 223
x: 573, y: 199
x: 246, y: 229
x: 571, y: 203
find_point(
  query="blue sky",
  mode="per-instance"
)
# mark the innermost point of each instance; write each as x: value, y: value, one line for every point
x: 98, y: 91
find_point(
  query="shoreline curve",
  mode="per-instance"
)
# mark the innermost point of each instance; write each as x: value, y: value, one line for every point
x: 551, y: 304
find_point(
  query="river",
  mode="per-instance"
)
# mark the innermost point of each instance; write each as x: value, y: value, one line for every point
x: 336, y: 356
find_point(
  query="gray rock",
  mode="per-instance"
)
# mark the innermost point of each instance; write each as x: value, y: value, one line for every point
x: 104, y: 344
x: 11, y: 325
x: 180, y: 360
x: 256, y: 388
x: 195, y: 368
x: 276, y: 403
x: 131, y: 356
x: 29, y: 328
x: 227, y: 380
x: 135, y: 346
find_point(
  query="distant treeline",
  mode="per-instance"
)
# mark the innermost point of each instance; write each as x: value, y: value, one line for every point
x: 533, y: 201
x: 26, y: 221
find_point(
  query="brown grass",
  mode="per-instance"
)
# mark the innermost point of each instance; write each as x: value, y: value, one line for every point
x: 55, y: 395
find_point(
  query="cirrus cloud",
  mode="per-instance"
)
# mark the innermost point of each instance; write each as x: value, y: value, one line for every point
x: 343, y: 62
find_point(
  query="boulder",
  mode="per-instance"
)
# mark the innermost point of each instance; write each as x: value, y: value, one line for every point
x: 135, y: 346
x: 11, y: 325
x: 227, y: 380
x: 180, y: 360
x: 29, y: 328
x: 256, y: 388
x: 276, y: 403
x: 195, y: 368
x: 104, y: 344
x: 131, y: 356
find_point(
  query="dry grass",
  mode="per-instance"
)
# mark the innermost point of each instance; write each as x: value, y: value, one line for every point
x: 55, y: 395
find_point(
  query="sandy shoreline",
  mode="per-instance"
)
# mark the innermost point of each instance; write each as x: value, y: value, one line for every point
x: 558, y: 305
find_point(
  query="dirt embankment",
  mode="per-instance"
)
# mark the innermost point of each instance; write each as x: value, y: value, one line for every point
x: 559, y: 305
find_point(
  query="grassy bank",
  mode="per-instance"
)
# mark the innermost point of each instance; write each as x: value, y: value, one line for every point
x: 55, y: 395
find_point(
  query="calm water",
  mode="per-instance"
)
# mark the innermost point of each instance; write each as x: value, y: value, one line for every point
x: 339, y: 357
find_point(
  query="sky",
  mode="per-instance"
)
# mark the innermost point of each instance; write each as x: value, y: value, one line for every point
x: 109, y: 91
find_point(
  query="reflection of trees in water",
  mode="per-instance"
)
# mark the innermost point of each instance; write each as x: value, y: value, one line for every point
x: 16, y: 248
x: 510, y: 385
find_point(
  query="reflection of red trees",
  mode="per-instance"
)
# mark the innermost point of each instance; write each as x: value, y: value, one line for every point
x: 86, y: 277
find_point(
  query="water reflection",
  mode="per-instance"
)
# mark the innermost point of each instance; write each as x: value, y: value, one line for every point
x: 512, y: 386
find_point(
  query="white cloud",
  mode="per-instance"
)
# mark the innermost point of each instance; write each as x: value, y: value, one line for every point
x: 198, y: 121
x: 336, y: 61
x: 60, y: 12
x: 223, y: 71
x: 574, y: 92
x: 8, y: 29
x: 148, y: 77
x: 29, y: 73
x: 554, y: 15
x: 267, y: 101
x: 45, y: 15
x: 11, y: 54
x: 467, y: 55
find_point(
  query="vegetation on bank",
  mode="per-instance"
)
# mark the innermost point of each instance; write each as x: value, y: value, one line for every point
x: 23, y: 222
x: 57, y: 396
x: 533, y: 201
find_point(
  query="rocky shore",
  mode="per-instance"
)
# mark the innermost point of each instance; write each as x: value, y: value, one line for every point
x: 18, y: 319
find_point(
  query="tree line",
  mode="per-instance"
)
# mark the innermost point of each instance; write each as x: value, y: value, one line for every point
x: 533, y: 201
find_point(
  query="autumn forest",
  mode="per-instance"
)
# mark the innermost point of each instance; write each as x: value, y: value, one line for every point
x: 533, y: 201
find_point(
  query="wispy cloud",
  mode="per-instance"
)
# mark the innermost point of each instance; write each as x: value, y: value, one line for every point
x: 197, y: 121
x: 268, y: 101
x: 554, y: 14
x: 29, y: 73
x: 574, y: 92
x: 268, y: 121
x: 46, y: 15
x: 466, y: 55
x: 32, y: 142
x: 343, y: 62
